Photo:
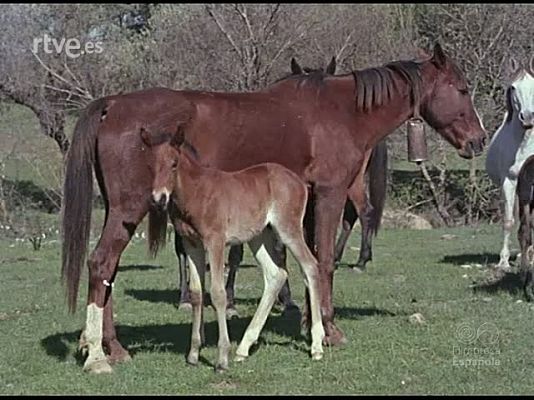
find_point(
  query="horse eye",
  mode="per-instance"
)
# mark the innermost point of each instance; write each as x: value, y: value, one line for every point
x: 174, y: 164
x: 464, y: 91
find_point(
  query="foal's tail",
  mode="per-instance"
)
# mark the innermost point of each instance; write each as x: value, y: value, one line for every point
x: 77, y: 197
x: 377, y: 184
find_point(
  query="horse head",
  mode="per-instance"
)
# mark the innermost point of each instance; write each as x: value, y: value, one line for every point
x: 448, y: 107
x: 520, y: 93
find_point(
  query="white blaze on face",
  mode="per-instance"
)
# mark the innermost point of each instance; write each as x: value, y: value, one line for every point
x: 158, y: 194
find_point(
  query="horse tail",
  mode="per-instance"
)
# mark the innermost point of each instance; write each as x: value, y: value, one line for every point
x: 377, y: 171
x: 157, y: 230
x: 78, y: 196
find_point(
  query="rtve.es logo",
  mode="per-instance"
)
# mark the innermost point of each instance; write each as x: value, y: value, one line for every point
x: 72, y: 47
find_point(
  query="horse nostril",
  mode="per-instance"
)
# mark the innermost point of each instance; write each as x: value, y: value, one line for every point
x: 163, y: 200
x: 521, y: 116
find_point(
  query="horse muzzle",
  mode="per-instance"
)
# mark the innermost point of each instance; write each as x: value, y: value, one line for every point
x: 159, y: 200
x: 472, y: 148
x: 527, y: 119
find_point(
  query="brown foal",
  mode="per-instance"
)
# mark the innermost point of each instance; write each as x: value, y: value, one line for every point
x: 212, y: 209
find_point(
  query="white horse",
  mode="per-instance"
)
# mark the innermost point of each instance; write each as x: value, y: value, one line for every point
x: 511, y: 145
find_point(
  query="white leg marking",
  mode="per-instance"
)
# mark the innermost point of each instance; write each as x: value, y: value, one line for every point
x: 509, y: 187
x: 96, y: 360
x: 274, y: 278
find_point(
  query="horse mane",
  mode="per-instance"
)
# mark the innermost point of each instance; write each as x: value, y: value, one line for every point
x: 375, y: 86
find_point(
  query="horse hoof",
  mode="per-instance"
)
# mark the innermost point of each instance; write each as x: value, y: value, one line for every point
x: 98, y: 367
x: 192, y: 360
x: 291, y: 310
x: 334, y: 337
x: 185, y: 307
x: 119, y: 358
x: 220, y: 368
x: 239, y: 358
x: 317, y: 356
x: 503, y: 265
x: 231, y: 312
x: 357, y: 269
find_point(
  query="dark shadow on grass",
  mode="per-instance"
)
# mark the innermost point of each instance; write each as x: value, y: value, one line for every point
x: 140, y: 267
x: 358, y: 313
x: 170, y: 296
x: 174, y: 338
x: 501, y: 281
x: 480, y: 258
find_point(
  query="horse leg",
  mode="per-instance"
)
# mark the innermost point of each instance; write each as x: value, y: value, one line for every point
x: 197, y: 266
x: 357, y: 194
x: 215, y: 248
x: 309, y: 236
x: 292, y: 235
x: 263, y: 248
x: 284, y: 296
x: 524, y: 235
x: 508, y: 188
x: 116, y: 353
x: 328, y: 208
x: 183, y: 285
x: 103, y: 264
x: 349, y: 219
x: 235, y: 257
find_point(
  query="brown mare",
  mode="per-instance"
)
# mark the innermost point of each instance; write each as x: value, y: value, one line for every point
x: 370, y: 212
x: 525, y: 195
x: 323, y: 130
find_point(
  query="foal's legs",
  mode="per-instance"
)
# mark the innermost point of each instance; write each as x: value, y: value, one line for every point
x: 292, y: 235
x: 183, y: 285
x: 102, y: 269
x: 274, y: 277
x: 508, y: 188
x: 235, y: 257
x: 215, y: 248
x: 197, y: 267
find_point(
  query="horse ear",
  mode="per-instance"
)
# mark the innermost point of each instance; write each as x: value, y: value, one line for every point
x: 146, y: 137
x: 509, y: 109
x: 531, y: 65
x: 422, y: 54
x: 439, y: 58
x: 179, y: 137
x: 331, y: 68
x: 513, y: 65
x: 295, y: 67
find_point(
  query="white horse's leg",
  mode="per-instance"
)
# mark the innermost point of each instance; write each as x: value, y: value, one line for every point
x: 508, y: 189
x: 274, y: 278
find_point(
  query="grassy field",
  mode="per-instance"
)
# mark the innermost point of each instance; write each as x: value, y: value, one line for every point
x: 476, y: 336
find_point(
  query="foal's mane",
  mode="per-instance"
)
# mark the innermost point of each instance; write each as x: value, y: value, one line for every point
x: 375, y: 86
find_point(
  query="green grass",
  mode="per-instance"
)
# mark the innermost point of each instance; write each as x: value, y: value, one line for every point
x: 413, y: 272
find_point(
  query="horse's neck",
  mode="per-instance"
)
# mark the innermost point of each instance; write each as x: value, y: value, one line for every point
x: 191, y: 177
x: 392, y: 113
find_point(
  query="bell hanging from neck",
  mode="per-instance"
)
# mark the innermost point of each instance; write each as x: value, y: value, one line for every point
x: 417, y: 149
